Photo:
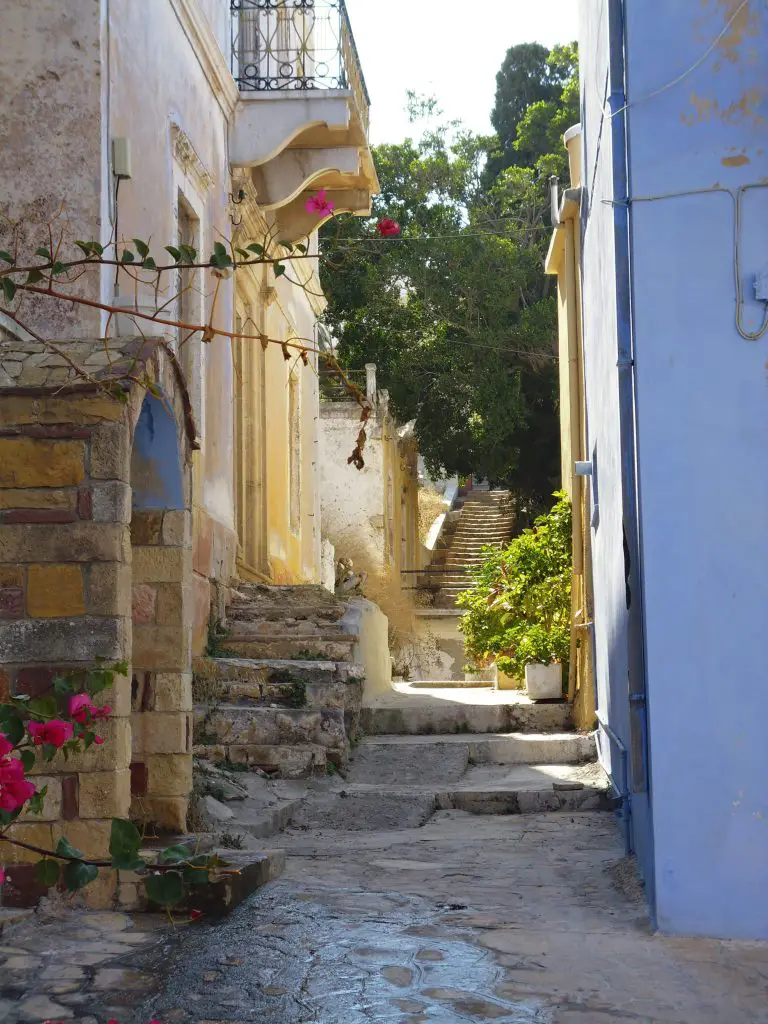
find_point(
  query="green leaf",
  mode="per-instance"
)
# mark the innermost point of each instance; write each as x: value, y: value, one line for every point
x: 188, y: 253
x: 124, y: 843
x: 242, y: 252
x: 34, y: 276
x: 45, y: 707
x: 28, y: 759
x: 301, y: 247
x: 6, y: 256
x: 174, y: 854
x: 62, y: 685
x: 47, y: 872
x: 279, y: 269
x: 65, y: 849
x: 141, y: 248
x: 176, y: 253
x: 255, y: 248
x: 219, y: 249
x: 59, y: 268
x: 9, y: 288
x: 165, y: 890
x: 78, y: 874
x: 287, y: 245
x: 127, y: 256
x: 45, y: 253
x: 13, y: 727
x: 149, y: 264
x: 36, y: 804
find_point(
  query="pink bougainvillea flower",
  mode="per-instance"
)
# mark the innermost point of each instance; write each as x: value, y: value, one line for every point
x: 104, y: 712
x: 98, y: 740
x: 195, y: 915
x: 81, y: 707
x: 56, y: 732
x: 2, y: 876
x: 387, y: 227
x: 14, y: 793
x: 319, y: 203
x: 112, y: 1021
x: 5, y: 745
x: 11, y: 769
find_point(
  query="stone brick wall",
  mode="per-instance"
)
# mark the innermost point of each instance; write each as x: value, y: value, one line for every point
x: 83, y: 575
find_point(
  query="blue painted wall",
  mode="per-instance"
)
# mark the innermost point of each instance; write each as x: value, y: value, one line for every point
x: 156, y: 474
x: 702, y: 441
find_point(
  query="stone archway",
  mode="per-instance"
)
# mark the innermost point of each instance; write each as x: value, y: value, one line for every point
x: 69, y: 454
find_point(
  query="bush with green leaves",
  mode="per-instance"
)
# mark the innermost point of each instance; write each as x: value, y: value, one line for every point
x: 518, y: 609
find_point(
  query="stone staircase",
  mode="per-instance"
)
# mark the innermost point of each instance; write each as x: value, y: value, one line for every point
x: 282, y: 693
x: 443, y: 755
x: 485, y: 517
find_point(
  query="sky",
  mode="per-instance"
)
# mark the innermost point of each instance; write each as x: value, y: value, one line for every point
x: 440, y: 48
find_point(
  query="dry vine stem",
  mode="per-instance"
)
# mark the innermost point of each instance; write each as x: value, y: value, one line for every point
x: 48, y: 273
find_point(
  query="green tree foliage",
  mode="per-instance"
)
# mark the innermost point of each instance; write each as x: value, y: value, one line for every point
x: 537, y: 100
x: 456, y: 311
x: 518, y: 609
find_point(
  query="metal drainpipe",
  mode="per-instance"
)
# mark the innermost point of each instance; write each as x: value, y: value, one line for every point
x: 626, y: 377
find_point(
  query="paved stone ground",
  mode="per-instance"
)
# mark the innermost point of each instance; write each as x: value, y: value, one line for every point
x: 524, y: 919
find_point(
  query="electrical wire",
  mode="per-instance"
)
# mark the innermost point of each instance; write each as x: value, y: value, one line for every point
x: 736, y: 197
x: 676, y: 81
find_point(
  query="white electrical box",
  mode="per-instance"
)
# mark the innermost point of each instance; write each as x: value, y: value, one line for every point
x: 121, y: 158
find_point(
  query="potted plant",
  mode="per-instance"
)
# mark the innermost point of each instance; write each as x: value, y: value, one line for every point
x: 518, y: 608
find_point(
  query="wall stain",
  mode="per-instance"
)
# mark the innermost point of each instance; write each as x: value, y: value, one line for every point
x: 735, y: 161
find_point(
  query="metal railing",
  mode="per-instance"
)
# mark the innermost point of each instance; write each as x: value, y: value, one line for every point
x: 284, y: 45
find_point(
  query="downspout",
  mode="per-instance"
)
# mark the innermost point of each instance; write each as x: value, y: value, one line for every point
x: 622, y: 214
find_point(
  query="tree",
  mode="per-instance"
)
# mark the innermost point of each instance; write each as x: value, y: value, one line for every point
x: 537, y: 99
x: 456, y: 311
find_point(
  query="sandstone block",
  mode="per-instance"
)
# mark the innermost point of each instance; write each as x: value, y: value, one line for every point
x: 33, y: 462
x: 111, y: 502
x: 143, y: 604
x: 90, y: 837
x: 146, y: 527
x: 110, y: 453
x: 101, y: 893
x: 31, y: 497
x: 166, y: 812
x: 71, y: 409
x: 62, y: 640
x: 113, y: 754
x: 55, y: 591
x: 174, y: 604
x: 172, y: 691
x: 159, y: 733
x: 73, y: 542
x: 105, y: 794
x: 11, y: 576
x: 11, y: 603
x: 52, y: 805
x: 161, y: 565
x: 169, y: 774
x: 109, y: 589
x: 40, y: 835
x: 162, y: 647
x: 177, y: 528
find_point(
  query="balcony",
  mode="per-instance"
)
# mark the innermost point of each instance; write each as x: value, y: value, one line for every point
x: 302, y: 121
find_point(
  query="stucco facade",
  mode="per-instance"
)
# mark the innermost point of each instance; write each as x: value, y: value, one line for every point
x: 213, y: 476
x: 673, y: 209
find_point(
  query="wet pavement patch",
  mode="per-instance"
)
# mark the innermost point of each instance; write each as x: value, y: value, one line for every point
x: 336, y: 956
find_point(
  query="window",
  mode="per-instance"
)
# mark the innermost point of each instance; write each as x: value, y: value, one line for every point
x: 189, y: 309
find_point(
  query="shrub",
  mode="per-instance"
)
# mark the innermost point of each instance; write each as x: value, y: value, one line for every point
x: 518, y: 609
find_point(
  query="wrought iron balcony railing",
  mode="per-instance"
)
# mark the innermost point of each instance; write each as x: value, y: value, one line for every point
x: 280, y: 45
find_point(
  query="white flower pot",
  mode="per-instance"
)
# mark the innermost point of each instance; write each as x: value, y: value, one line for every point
x: 544, y: 682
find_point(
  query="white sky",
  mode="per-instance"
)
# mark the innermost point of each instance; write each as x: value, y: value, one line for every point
x: 451, y: 49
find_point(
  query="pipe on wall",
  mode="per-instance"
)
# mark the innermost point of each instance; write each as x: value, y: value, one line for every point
x: 639, y: 780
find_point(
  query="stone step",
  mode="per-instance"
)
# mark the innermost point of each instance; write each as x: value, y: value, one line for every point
x: 435, y: 717
x: 300, y: 648
x: 522, y: 789
x: 245, y: 609
x: 284, y: 602
x: 242, y: 621
x: 395, y: 753
x: 294, y: 761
